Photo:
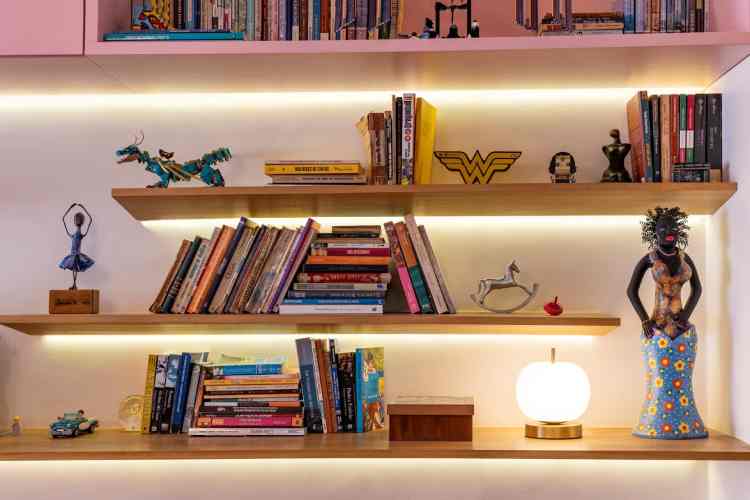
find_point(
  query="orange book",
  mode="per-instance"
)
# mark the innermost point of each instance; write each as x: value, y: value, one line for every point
x: 349, y: 260
x: 213, y: 262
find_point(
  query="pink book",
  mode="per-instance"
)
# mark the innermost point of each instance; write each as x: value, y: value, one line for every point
x: 403, y: 271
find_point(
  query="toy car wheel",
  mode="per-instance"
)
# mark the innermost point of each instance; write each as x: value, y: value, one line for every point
x: 91, y: 429
x: 75, y: 432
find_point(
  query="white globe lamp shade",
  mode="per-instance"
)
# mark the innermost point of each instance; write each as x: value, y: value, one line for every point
x: 553, y: 392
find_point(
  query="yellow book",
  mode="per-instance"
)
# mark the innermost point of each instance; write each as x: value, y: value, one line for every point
x: 424, y: 148
x: 148, y: 394
x: 316, y: 168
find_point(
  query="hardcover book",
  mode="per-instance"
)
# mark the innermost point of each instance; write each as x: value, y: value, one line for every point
x: 426, y: 126
x: 369, y: 388
x: 169, y: 279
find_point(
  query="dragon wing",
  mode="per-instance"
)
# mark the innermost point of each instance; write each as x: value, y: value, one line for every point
x: 176, y: 170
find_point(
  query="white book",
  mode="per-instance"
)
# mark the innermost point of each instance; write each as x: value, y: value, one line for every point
x: 424, y: 262
x: 249, y: 431
x: 186, y: 290
x: 330, y: 309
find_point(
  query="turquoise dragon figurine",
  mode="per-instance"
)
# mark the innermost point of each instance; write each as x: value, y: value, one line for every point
x: 168, y: 170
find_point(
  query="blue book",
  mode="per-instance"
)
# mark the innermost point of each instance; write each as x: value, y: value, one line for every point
x: 369, y: 388
x: 629, y: 15
x: 336, y: 389
x: 312, y: 410
x: 316, y: 20
x: 126, y: 36
x: 180, y: 396
x: 247, y: 369
x: 289, y: 17
x: 335, y: 302
x: 250, y: 21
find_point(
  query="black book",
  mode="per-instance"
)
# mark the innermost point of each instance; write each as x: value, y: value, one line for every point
x: 174, y: 288
x: 345, y: 367
x: 655, y: 137
x: 699, y: 154
x: 219, y: 274
x: 245, y: 267
x: 399, y: 123
x: 713, y: 131
x: 343, y: 268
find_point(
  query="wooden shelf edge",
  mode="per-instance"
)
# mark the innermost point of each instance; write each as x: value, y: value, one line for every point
x: 504, y: 199
x: 489, y: 443
x: 466, y: 323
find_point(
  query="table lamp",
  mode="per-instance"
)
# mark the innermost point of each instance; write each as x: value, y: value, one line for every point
x: 553, y: 394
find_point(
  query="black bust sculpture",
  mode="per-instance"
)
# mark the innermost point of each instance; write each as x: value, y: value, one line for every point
x: 616, y: 153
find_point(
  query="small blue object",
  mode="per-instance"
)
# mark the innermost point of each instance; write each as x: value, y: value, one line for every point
x: 72, y: 425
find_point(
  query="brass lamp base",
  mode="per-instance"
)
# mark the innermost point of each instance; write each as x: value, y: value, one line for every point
x: 554, y: 431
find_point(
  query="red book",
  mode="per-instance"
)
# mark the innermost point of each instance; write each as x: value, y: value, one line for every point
x: 349, y: 252
x: 637, y: 138
x: 343, y: 278
x: 403, y: 271
x: 675, y: 126
x: 690, y: 143
x: 252, y: 421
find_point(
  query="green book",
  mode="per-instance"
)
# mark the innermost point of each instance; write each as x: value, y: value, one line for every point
x: 683, y: 128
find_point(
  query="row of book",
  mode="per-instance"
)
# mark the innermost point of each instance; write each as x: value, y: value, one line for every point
x: 264, y: 19
x: 666, y: 16
x: 356, y: 253
x: 342, y: 392
x: 583, y: 23
x: 400, y: 142
x: 676, y: 138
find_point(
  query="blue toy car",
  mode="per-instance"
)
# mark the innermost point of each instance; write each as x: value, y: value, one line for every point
x: 72, y: 424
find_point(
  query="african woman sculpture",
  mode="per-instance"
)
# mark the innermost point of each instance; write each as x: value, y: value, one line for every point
x: 77, y: 261
x: 669, y: 339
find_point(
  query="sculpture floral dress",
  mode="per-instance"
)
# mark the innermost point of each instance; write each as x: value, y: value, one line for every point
x: 76, y: 261
x: 669, y: 411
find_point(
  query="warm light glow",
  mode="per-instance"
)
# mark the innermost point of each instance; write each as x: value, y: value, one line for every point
x: 177, y: 102
x: 553, y: 392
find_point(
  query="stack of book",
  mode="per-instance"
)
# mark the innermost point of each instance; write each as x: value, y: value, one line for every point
x: 315, y: 172
x: 248, y: 399
x: 418, y: 268
x: 247, y: 269
x: 342, y: 392
x: 676, y: 138
x: 583, y: 23
x: 263, y: 20
x: 400, y: 142
x: 347, y: 271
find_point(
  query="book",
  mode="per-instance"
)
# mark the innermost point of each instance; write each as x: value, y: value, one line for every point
x: 345, y: 369
x: 700, y: 129
x: 324, y: 371
x: 330, y: 309
x: 415, y: 272
x: 251, y: 421
x: 349, y: 260
x: 675, y: 132
x: 637, y: 135
x: 424, y: 141
x: 320, y: 168
x: 196, y: 381
x: 714, y: 131
x: 319, y: 179
x: 169, y: 279
x: 369, y: 377
x: 299, y: 252
x: 342, y: 240
x: 172, y: 36
x: 438, y: 271
x: 245, y: 369
x: 167, y: 410
x: 407, y: 141
x: 683, y: 129
x: 280, y: 270
x: 344, y: 285
x: 232, y: 272
x: 179, y: 277
x: 320, y: 393
x: 333, y: 294
x: 433, y: 287
x: 333, y: 301
x: 402, y: 269
x: 350, y: 252
x: 191, y: 279
x: 181, y: 392
x: 336, y: 390
x: 654, y: 110
x: 344, y: 268
x: 251, y: 270
x: 157, y: 404
x: 370, y: 230
x: 690, y: 130
x: 202, y: 287
x: 266, y: 277
x: 312, y: 409
x: 220, y: 410
x: 148, y: 394
x: 665, y: 140
x: 348, y: 244
x: 225, y: 252
x: 248, y: 431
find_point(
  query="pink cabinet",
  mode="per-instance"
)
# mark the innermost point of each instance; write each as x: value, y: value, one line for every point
x: 41, y: 28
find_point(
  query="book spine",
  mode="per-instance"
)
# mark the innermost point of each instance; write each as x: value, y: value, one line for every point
x: 295, y: 20
x: 252, y: 290
x: 690, y: 139
x: 655, y: 15
x: 333, y: 301
x: 181, y: 392
x: 274, y: 19
x: 298, y: 256
x: 169, y: 279
x: 438, y: 271
x: 663, y: 15
x: 174, y: 289
x: 647, y: 136
x: 148, y: 394
x: 351, y: 20
x: 249, y: 34
x: 674, y: 116
x: 398, y: 140
x: 346, y: 377
x: 351, y: 252
x: 325, y: 20
x: 666, y: 143
x: 249, y: 431
x: 402, y: 270
x: 345, y: 260
x: 245, y: 268
x: 683, y: 128
x: 338, y: 18
x: 325, y: 364
x: 259, y: 19
x: 361, y: 23
x: 714, y: 131
x: 231, y: 274
x: 313, y: 413
x: 225, y: 249
x: 190, y: 408
x: 700, y: 128
x: 347, y: 268
x: 319, y: 384
x: 655, y: 137
x: 691, y: 16
x: 324, y: 294
x: 343, y: 286
x: 424, y: 263
x: 243, y: 411
x: 188, y: 284
x: 359, y: 425
x: 335, y: 388
x: 371, y: 19
x: 407, y: 143
x: 209, y: 268
x: 415, y: 273
x: 330, y: 309
x: 635, y: 132
x: 282, y: 20
x: 640, y: 16
x: 252, y: 421
x: 247, y: 369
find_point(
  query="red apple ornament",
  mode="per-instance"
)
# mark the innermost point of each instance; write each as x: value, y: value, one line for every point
x: 553, y: 308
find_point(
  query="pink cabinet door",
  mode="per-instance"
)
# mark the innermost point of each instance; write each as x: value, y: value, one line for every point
x: 41, y: 28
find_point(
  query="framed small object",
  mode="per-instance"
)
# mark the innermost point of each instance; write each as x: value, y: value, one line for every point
x: 689, y: 172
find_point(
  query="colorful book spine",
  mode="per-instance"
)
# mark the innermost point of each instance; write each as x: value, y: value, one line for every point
x: 345, y: 371
x: 351, y: 252
x: 160, y: 381
x: 319, y: 384
x: 312, y: 409
x: 402, y: 269
x: 361, y: 23
x: 369, y: 370
x: 415, y: 273
x: 223, y: 262
x: 690, y: 140
x: 438, y: 271
x: 337, y: 268
x: 323, y: 168
x: 407, y: 142
x: 165, y: 419
x: 148, y: 394
x: 188, y: 284
x: 249, y: 431
x: 324, y: 364
x: 342, y: 286
x: 297, y: 255
x: 252, y: 421
x: 663, y: 14
x: 683, y: 128
x: 201, y: 288
x: 691, y: 27
x: 333, y: 301
x: 246, y: 369
x: 700, y: 128
x: 655, y: 15
x: 174, y: 289
x: 656, y: 135
x: 169, y: 279
x: 675, y: 131
x: 181, y: 392
x: 714, y: 131
x: 282, y: 19
x: 258, y: 10
x: 647, y: 136
x: 346, y: 260
x: 330, y: 309
x: 190, y: 408
x: 666, y: 142
x: 635, y: 132
x: 425, y: 130
x: 426, y: 265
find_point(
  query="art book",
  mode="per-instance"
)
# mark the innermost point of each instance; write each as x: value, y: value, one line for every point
x: 370, y: 388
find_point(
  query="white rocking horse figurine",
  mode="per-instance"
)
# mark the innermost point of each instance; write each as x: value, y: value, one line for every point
x: 488, y: 285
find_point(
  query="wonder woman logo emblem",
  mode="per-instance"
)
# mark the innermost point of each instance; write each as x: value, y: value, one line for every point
x: 477, y: 170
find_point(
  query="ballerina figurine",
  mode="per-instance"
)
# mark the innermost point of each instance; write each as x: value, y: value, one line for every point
x: 669, y: 341
x: 77, y: 261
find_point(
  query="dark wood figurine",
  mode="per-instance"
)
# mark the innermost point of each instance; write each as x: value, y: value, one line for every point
x: 616, y: 153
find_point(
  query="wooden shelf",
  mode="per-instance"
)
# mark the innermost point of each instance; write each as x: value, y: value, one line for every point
x: 424, y: 200
x: 477, y: 323
x: 489, y: 443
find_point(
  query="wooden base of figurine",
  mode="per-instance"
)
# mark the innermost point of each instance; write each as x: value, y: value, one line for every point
x: 74, y: 301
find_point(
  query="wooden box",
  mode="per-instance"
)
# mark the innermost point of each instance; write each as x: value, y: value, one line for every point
x: 431, y: 419
x: 73, y: 301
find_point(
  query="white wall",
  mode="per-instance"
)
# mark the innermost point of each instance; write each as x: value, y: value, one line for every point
x: 59, y: 150
x: 727, y: 244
